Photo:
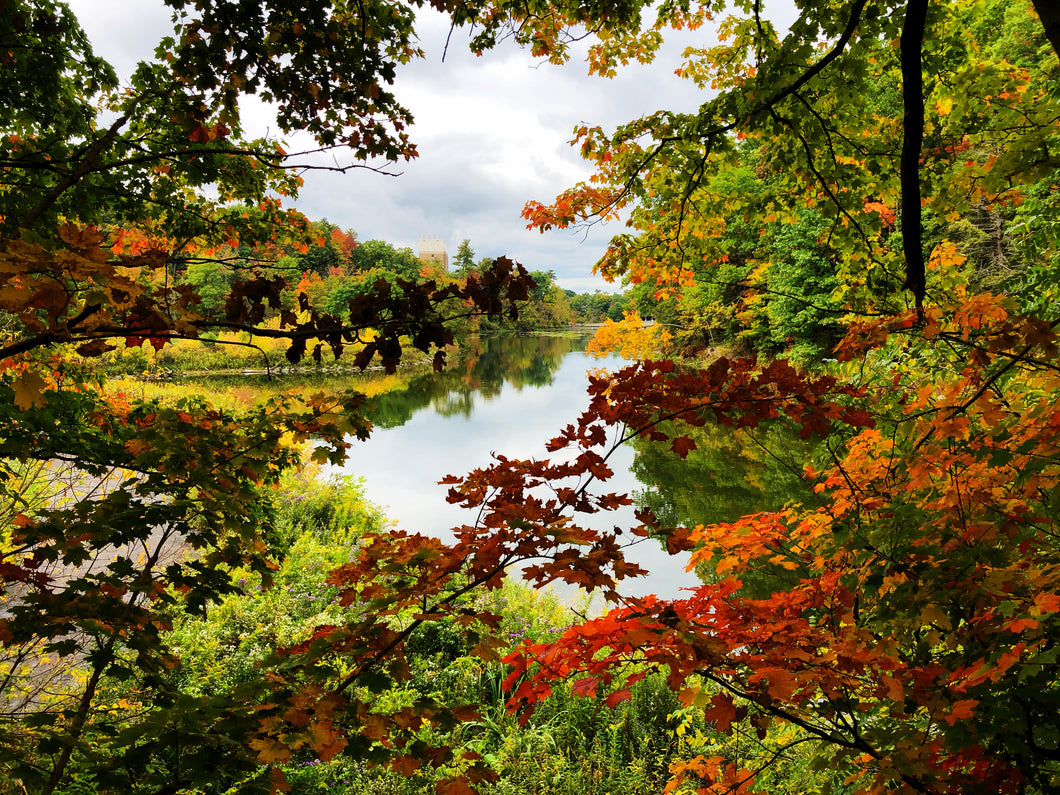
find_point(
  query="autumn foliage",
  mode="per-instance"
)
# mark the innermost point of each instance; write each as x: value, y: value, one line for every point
x: 630, y: 338
x: 904, y: 621
x: 896, y: 632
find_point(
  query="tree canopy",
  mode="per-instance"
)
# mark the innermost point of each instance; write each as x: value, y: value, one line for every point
x: 882, y: 176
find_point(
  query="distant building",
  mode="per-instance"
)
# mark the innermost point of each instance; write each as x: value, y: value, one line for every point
x: 432, y: 250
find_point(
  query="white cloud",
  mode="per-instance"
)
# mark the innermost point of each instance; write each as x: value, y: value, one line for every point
x: 492, y: 132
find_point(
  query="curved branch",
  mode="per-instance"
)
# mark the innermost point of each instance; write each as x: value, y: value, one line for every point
x: 837, y: 49
x: 48, y: 337
x: 85, y: 167
x: 856, y: 744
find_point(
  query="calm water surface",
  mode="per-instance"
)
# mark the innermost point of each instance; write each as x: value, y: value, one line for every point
x: 511, y: 398
x: 513, y: 394
x: 510, y: 395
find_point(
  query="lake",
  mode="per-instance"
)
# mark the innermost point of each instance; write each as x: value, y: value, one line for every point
x: 512, y: 394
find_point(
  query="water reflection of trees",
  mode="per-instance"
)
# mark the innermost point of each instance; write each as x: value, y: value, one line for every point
x: 732, y: 472
x: 490, y: 363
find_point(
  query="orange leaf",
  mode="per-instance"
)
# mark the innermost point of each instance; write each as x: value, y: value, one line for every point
x: 961, y: 710
x: 781, y: 684
x: 1047, y: 602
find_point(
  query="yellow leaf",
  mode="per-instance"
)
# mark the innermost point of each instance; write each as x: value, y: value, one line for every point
x: 944, y: 106
x: 29, y: 389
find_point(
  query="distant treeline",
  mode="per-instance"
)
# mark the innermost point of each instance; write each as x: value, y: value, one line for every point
x: 337, y: 267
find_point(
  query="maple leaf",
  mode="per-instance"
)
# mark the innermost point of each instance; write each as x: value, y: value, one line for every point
x: 29, y: 390
x: 405, y: 765
x: 477, y: 774
x: 682, y: 445
x: 679, y: 539
x: 886, y: 213
x: 453, y: 786
x: 94, y: 348
x: 586, y: 686
x: 270, y: 751
x: 722, y: 712
x: 961, y: 710
x: 326, y: 740
x: 467, y: 713
x: 1047, y: 602
x: 278, y: 780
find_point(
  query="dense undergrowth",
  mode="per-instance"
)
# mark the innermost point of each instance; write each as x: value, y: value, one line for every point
x: 571, y: 745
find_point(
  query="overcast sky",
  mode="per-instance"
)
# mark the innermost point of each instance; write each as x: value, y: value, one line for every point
x: 492, y: 133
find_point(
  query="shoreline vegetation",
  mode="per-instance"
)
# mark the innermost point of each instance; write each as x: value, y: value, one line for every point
x: 863, y: 210
x: 570, y: 746
x: 547, y: 310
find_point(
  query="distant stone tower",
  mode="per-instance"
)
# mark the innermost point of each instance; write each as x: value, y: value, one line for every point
x: 432, y: 249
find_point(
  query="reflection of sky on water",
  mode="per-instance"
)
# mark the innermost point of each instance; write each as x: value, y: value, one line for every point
x: 401, y: 466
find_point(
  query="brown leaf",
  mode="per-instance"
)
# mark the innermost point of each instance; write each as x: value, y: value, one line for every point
x: 682, y: 445
x: 94, y: 348
x: 278, y: 780
x: 454, y: 786
x: 270, y: 751
x: 405, y: 765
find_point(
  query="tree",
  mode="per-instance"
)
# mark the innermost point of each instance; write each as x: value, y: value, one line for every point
x: 909, y: 632
x: 464, y: 261
x: 209, y: 279
x: 906, y: 631
x: 378, y: 254
x: 322, y: 260
x: 116, y: 510
x: 630, y: 338
x: 598, y: 306
x: 882, y: 645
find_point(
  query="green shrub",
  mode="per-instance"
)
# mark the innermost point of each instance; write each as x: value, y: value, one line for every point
x: 316, y: 523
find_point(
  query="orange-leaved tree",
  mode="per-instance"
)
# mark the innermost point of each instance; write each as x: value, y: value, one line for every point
x: 116, y: 510
x: 899, y: 631
x: 902, y: 627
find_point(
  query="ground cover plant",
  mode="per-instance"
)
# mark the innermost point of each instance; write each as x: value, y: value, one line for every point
x: 880, y: 178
